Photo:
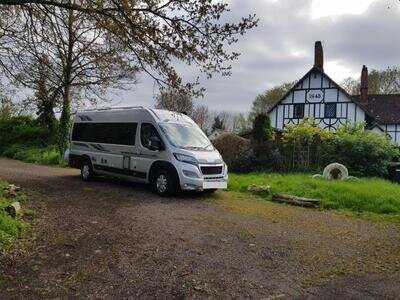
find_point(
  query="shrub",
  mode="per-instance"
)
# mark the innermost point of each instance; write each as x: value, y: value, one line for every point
x: 231, y: 146
x: 363, y: 152
x: 41, y: 155
x: 308, y: 147
x: 307, y: 131
x: 244, y: 161
x: 303, y: 145
x: 262, y: 130
x: 23, y: 130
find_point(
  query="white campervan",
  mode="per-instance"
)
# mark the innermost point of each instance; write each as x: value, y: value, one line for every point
x: 166, y: 149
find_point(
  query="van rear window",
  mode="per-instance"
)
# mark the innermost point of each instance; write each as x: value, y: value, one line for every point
x: 105, y: 133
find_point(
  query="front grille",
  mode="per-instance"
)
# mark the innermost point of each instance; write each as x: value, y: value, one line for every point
x: 214, y: 178
x: 211, y: 170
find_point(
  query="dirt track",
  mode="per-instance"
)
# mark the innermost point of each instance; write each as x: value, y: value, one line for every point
x: 113, y: 239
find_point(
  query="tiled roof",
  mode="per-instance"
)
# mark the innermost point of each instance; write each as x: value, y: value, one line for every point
x: 384, y: 108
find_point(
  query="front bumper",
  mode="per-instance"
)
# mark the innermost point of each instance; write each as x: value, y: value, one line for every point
x: 199, y: 182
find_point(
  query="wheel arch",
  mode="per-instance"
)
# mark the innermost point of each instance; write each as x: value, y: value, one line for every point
x: 85, y: 157
x: 76, y: 160
x: 163, y: 165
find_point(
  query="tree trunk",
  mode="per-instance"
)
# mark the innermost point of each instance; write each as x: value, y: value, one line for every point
x: 65, y: 120
x: 299, y: 201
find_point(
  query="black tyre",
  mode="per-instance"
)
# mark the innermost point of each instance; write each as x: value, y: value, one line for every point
x: 165, y: 184
x: 87, y: 173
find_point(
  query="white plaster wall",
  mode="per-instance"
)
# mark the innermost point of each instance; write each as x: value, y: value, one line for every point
x: 393, y: 131
x: 354, y: 113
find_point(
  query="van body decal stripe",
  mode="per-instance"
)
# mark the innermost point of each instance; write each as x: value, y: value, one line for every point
x: 99, y: 147
x: 80, y: 144
x: 126, y: 172
x: 152, y: 156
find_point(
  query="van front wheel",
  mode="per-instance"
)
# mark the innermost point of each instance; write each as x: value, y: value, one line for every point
x: 164, y: 183
x: 87, y: 173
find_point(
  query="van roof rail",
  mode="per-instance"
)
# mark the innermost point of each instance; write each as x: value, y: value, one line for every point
x: 110, y: 108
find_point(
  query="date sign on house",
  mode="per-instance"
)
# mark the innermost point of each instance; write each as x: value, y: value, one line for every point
x: 315, y: 96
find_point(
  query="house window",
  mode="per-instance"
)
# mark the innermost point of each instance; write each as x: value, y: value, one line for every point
x: 298, y: 112
x: 330, y: 110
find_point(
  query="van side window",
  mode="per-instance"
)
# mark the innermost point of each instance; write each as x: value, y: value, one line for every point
x: 147, y: 131
x: 105, y: 133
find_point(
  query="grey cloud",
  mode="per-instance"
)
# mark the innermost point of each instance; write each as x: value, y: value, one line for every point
x: 286, y: 29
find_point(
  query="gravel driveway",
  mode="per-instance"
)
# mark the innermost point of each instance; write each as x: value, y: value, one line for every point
x: 112, y: 239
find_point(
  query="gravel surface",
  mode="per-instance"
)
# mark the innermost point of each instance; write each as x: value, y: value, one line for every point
x: 113, y: 239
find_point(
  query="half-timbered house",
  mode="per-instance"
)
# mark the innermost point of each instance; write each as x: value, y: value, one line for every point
x: 317, y: 95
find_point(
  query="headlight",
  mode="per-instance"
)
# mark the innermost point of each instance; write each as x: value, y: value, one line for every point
x: 191, y: 174
x: 186, y: 158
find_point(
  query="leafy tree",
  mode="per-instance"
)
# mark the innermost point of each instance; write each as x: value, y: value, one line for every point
x: 63, y: 55
x: 384, y: 81
x: 351, y: 85
x: 379, y: 82
x: 241, y: 123
x: 179, y: 101
x: 175, y: 100
x: 44, y: 98
x: 92, y: 41
x: 45, y: 107
x: 218, y: 123
x: 201, y: 116
x: 157, y: 32
x: 264, y: 102
x: 228, y: 119
x: 7, y: 108
x: 262, y: 130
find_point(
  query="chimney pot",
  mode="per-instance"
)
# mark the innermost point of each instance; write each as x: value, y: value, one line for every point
x: 319, y: 55
x: 364, y: 86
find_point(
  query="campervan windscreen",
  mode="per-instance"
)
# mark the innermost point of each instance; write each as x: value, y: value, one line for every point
x: 186, y: 136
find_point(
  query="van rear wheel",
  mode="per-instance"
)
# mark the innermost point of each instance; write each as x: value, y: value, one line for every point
x: 164, y: 183
x: 87, y: 173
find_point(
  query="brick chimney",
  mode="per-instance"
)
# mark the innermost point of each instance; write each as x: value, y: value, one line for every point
x: 319, y: 56
x: 364, y: 86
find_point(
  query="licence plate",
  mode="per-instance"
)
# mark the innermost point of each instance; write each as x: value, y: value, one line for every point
x: 215, y: 185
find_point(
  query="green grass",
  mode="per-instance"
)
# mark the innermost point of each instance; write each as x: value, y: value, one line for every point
x: 34, y: 154
x: 366, y: 195
x: 10, y: 228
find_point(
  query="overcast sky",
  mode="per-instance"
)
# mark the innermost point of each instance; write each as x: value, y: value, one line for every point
x: 281, y: 48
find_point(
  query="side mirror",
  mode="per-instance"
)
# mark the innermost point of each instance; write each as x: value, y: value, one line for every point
x: 155, y: 143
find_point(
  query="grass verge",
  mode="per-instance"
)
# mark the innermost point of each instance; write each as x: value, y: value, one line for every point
x: 10, y: 227
x: 366, y: 195
x: 33, y: 154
